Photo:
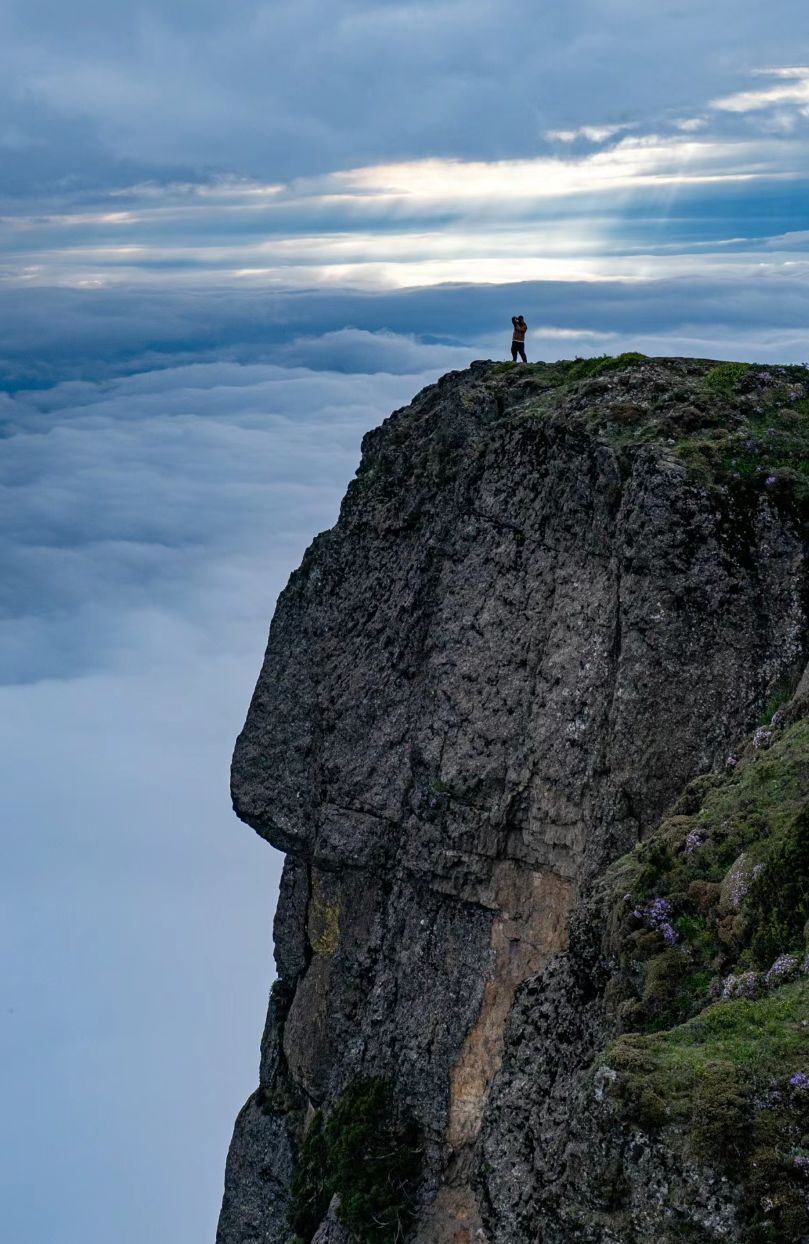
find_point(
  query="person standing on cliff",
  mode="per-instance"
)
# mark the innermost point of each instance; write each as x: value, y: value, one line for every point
x: 518, y: 338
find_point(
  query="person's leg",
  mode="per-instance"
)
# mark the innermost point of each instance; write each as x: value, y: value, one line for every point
x: 522, y: 354
x: 514, y: 349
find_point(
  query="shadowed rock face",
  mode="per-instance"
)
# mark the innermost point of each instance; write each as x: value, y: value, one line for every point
x: 531, y: 626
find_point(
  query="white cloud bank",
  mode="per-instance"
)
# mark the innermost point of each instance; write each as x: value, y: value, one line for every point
x: 790, y: 86
x: 149, y: 523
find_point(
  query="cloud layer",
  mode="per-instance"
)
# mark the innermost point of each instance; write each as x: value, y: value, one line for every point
x: 165, y: 495
x: 717, y: 195
x: 150, y: 521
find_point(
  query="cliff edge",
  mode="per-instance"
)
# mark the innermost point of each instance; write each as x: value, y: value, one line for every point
x: 558, y: 600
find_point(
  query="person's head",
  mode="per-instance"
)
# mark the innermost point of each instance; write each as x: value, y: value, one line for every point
x: 520, y: 319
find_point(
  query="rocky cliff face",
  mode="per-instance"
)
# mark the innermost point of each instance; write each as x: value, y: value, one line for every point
x: 555, y: 595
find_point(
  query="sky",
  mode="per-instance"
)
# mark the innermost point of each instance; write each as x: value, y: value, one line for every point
x: 232, y: 239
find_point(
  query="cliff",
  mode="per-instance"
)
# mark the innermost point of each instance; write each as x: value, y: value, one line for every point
x: 558, y: 603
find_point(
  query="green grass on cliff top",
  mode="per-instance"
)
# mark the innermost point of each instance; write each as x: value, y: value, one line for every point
x: 738, y: 426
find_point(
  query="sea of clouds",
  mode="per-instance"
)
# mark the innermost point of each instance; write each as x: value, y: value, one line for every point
x: 150, y: 521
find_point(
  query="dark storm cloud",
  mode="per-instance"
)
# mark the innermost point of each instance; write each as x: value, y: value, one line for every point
x: 280, y: 89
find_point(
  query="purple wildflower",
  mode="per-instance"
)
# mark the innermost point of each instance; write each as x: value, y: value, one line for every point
x: 776, y: 718
x: 657, y: 917
x: 738, y: 881
x: 784, y: 968
x: 745, y: 985
x: 801, y: 1163
x: 771, y: 480
x: 658, y: 913
x: 762, y: 737
x: 799, y: 1082
x: 695, y: 840
x: 732, y: 762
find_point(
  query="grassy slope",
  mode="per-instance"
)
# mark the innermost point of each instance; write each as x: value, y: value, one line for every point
x: 696, y: 917
x: 736, y: 425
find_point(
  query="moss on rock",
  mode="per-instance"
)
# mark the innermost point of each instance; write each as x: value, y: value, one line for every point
x: 367, y: 1153
x: 723, y: 1081
x: 778, y: 901
x: 705, y: 925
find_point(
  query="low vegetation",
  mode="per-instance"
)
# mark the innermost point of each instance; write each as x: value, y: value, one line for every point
x: 707, y: 931
x: 737, y: 427
x: 571, y: 371
x: 366, y: 1152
